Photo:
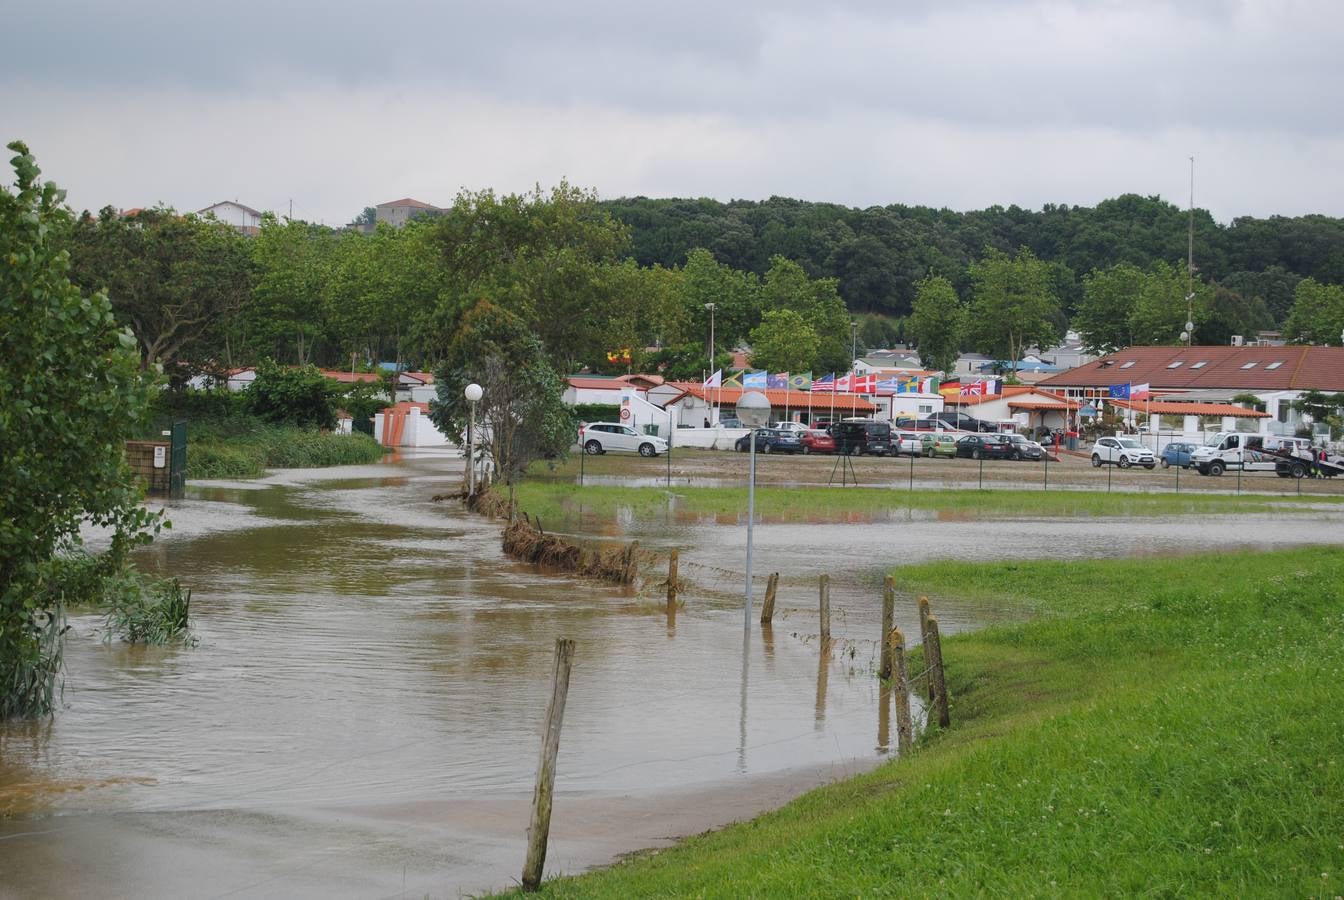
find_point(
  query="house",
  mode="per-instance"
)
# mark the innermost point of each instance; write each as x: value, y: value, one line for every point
x: 244, y: 218
x: 692, y: 404
x: 606, y: 389
x: 1277, y: 375
x: 886, y: 363
x: 398, y: 212
x: 407, y: 425
x: 1027, y: 406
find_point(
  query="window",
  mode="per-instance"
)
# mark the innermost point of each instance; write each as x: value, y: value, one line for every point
x: 1199, y: 365
x: 1252, y: 364
x: 1274, y: 365
x: 1128, y: 364
x: 1176, y: 365
x: 926, y: 407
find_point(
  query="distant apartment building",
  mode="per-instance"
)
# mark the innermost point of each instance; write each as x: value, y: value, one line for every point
x: 398, y: 212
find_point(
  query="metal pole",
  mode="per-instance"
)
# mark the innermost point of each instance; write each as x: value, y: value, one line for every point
x: 471, y: 452
x: 583, y: 451
x: 751, y: 516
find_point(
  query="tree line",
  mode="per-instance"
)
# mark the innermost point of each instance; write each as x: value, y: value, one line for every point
x: 591, y: 278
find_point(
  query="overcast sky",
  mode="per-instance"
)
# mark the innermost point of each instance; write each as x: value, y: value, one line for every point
x: 337, y: 105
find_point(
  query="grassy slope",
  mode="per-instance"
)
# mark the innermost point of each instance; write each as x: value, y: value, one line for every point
x: 1164, y: 727
x: 555, y: 501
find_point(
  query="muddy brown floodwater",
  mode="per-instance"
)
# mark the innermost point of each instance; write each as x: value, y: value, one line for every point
x: 361, y: 715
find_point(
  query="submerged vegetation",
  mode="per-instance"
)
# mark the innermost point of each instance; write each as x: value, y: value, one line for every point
x: 556, y: 501
x: 1162, y: 727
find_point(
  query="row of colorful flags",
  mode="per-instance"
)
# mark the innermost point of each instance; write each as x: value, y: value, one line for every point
x: 851, y: 383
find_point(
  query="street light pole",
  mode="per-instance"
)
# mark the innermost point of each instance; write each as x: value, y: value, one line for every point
x: 473, y: 394
x: 753, y: 409
x: 711, y: 307
x: 853, y: 342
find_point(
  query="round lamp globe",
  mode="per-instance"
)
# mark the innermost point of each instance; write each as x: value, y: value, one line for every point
x: 473, y: 393
x: 753, y: 409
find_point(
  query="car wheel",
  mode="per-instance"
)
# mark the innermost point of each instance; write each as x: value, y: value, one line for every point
x: 1096, y: 461
x: 592, y: 448
x: 1299, y: 470
x: 766, y: 448
x: 1125, y: 462
x: 646, y: 450
x: 975, y: 454
x: 1215, y: 468
x: 1015, y: 456
x: 806, y: 450
x: 1166, y: 464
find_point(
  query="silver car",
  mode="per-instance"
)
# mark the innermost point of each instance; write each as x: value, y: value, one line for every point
x: 1123, y: 452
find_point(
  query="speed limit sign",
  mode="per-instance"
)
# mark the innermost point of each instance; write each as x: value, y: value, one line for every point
x: 625, y: 413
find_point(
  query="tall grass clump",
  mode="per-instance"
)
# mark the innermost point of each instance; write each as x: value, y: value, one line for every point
x: 141, y: 609
x: 243, y: 447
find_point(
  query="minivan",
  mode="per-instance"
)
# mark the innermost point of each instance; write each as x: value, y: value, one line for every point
x: 860, y: 436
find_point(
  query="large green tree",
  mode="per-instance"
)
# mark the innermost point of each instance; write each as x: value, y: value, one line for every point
x: 1317, y: 315
x: 1013, y: 304
x: 937, y: 323
x: 521, y: 416
x: 71, y: 388
x: 177, y: 280
x: 1107, y: 307
x: 784, y: 342
x: 1158, y: 315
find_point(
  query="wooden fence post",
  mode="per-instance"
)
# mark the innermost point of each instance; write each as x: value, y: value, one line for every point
x: 628, y: 576
x: 672, y: 579
x: 933, y: 658
x: 888, y: 613
x: 924, y: 613
x: 768, y: 607
x: 899, y: 684
x: 825, y: 604
x: 540, y: 827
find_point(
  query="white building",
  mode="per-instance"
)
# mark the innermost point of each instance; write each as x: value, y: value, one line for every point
x: 231, y: 212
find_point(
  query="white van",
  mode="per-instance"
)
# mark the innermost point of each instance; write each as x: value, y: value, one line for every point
x: 1246, y: 451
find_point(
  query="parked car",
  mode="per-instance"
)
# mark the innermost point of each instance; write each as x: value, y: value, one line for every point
x: 601, y: 437
x: 938, y: 445
x: 1024, y: 448
x: 857, y: 436
x: 957, y: 419
x: 817, y: 441
x: 730, y: 422
x: 770, y: 440
x: 906, y: 442
x: 1123, y: 452
x: 984, y: 446
x: 1177, y: 453
x: 796, y: 427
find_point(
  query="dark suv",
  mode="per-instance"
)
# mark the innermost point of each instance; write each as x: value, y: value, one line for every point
x: 865, y: 436
x: 959, y: 420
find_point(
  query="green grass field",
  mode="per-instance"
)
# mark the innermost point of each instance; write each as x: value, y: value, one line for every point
x: 556, y: 501
x: 1168, y: 727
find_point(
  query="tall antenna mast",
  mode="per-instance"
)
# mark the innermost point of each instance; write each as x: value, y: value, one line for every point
x: 1189, y: 333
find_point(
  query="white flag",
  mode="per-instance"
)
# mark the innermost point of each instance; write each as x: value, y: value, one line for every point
x: 714, y: 380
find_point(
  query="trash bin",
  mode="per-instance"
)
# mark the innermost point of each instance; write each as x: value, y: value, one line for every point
x: 1073, y: 440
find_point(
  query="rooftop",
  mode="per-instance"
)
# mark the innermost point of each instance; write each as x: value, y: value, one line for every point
x: 1239, y: 368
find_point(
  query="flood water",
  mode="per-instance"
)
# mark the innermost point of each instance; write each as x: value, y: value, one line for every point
x: 361, y: 713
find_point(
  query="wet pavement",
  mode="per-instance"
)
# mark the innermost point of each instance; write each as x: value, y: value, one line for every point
x: 361, y: 714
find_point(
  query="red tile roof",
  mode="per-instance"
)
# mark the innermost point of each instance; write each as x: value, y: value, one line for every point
x: 350, y: 377
x: 848, y: 403
x: 1009, y: 390
x: 1236, y: 368
x: 1172, y: 408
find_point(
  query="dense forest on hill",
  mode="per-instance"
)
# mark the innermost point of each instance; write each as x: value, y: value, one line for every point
x: 879, y: 255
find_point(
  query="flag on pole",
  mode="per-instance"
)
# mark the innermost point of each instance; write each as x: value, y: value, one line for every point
x: 1140, y: 391
x: 824, y: 383
x: 843, y: 383
x: 777, y: 381
x: 1119, y: 392
x: 801, y: 382
x: 714, y: 380
x: 733, y: 381
x: 864, y: 384
x: 754, y: 379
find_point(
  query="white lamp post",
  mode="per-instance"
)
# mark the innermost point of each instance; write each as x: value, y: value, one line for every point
x: 753, y: 410
x: 473, y: 393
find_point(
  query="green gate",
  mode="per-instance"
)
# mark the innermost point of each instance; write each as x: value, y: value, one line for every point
x: 177, y: 464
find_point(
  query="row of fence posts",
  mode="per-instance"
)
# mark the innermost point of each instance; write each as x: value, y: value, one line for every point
x: 896, y: 680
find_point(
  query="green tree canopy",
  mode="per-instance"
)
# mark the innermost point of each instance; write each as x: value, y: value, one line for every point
x: 1105, y: 313
x: 178, y: 281
x: 784, y: 342
x: 521, y: 416
x: 71, y: 389
x: 1013, y: 305
x: 937, y: 323
x: 1317, y: 315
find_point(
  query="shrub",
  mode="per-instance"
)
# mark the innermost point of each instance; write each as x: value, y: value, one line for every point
x: 298, y: 396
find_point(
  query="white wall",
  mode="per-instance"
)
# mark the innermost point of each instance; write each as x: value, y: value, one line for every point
x: 234, y: 215
x: 419, y: 431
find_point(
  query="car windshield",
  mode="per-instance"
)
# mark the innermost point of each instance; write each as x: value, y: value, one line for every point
x: 1130, y: 443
